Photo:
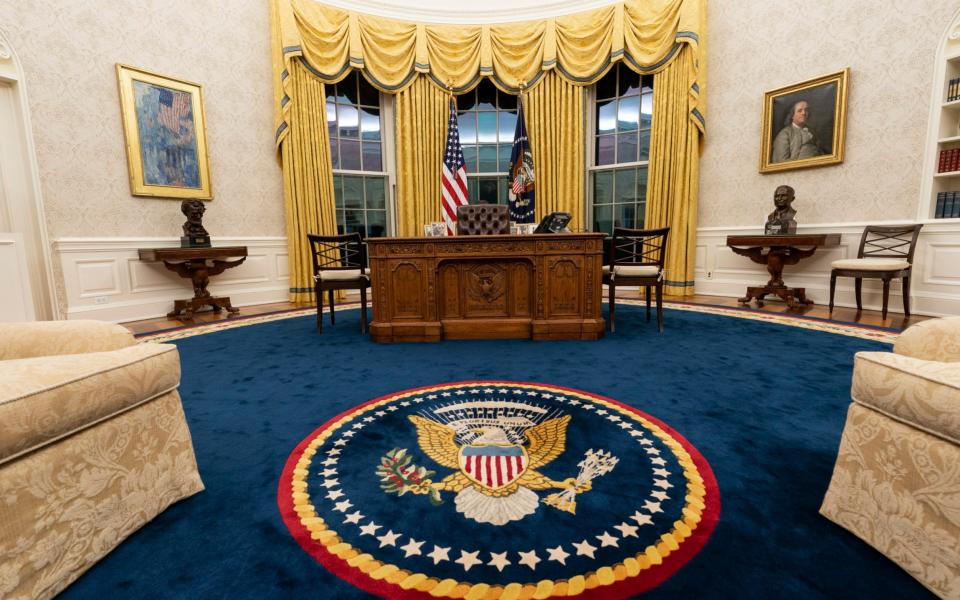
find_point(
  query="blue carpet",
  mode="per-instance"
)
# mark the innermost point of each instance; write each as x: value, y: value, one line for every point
x: 764, y: 403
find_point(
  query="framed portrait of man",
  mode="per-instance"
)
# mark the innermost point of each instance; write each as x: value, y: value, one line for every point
x: 804, y: 124
x: 165, y: 132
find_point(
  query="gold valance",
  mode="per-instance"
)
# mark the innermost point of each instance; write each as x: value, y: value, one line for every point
x: 646, y: 34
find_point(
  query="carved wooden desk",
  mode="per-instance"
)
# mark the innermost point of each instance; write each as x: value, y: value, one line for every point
x: 198, y: 265
x: 486, y: 286
x: 776, y: 251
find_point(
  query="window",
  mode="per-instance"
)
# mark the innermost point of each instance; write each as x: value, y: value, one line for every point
x: 620, y: 149
x: 487, y: 119
x: 360, y: 177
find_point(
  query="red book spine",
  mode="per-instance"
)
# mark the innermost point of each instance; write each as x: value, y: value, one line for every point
x: 942, y: 161
x: 955, y: 159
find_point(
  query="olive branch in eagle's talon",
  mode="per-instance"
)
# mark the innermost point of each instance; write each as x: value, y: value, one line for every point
x: 398, y: 476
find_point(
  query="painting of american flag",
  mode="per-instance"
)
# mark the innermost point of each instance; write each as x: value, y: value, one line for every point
x: 167, y: 135
x: 453, y: 182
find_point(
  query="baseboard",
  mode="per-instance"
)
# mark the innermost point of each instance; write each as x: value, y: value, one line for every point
x: 104, y: 278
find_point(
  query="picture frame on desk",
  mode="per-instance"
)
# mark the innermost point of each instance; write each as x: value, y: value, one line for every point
x: 804, y: 124
x: 165, y: 133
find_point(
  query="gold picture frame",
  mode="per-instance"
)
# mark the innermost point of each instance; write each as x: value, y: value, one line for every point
x: 805, y: 124
x: 166, y: 137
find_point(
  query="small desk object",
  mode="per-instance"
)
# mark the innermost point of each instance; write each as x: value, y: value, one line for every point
x: 539, y: 286
x: 198, y: 265
x: 777, y: 251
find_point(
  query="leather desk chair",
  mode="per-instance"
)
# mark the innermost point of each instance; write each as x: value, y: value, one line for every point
x: 483, y: 219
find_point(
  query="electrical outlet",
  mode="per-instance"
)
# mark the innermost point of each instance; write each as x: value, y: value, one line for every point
x: 100, y: 300
x: 709, y: 274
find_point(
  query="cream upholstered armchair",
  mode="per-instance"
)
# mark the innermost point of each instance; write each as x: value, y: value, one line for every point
x: 93, y: 445
x: 896, y: 483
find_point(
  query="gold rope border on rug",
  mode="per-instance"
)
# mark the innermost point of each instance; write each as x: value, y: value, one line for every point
x: 451, y: 588
x: 846, y: 329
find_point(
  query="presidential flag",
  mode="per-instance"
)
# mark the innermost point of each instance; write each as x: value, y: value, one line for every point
x: 521, y: 173
x: 453, y: 182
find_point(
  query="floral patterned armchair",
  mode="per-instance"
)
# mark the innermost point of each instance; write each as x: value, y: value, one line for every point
x: 896, y: 483
x: 93, y: 445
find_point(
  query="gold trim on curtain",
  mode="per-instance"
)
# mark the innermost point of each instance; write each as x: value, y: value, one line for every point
x: 421, y: 129
x: 307, y: 176
x: 554, y: 111
x: 674, y: 171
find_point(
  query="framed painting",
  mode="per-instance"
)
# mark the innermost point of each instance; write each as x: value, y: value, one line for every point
x: 165, y: 132
x: 804, y: 124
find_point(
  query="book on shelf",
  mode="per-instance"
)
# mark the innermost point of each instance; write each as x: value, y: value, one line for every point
x: 948, y: 206
x: 953, y: 89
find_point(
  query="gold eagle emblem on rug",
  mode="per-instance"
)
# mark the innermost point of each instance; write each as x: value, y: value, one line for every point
x: 496, y: 448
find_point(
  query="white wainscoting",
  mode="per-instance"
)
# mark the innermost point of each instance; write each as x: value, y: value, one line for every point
x: 105, y: 280
x: 16, y: 304
x: 935, y: 285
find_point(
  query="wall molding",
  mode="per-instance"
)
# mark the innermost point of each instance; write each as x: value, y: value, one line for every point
x: 935, y: 286
x: 104, y: 278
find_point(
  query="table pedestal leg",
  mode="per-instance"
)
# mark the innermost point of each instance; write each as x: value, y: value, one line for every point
x: 199, y: 273
x: 775, y: 259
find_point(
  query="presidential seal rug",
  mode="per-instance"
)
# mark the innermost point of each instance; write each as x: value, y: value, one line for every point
x: 761, y: 398
x: 496, y: 489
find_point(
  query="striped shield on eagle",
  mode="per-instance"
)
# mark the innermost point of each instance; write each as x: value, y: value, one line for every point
x: 493, y: 466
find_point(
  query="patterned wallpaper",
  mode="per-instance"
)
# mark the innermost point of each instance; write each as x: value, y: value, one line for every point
x: 756, y: 46
x: 68, y: 51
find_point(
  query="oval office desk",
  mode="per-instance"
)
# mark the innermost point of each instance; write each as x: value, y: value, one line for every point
x: 539, y: 286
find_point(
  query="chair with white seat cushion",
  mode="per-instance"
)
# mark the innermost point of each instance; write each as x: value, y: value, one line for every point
x: 885, y: 253
x: 636, y: 257
x: 339, y: 263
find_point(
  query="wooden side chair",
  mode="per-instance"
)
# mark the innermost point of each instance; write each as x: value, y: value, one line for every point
x: 885, y: 253
x: 339, y: 263
x: 636, y: 257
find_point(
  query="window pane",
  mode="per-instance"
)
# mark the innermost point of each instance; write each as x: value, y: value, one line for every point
x: 472, y: 188
x: 376, y: 192
x: 347, y: 89
x: 508, y: 125
x: 369, y: 96
x: 487, y: 192
x: 629, y: 82
x: 467, y: 101
x: 603, y: 187
x: 353, y: 221
x: 372, y: 160
x: 486, y: 96
x: 607, y: 87
x: 625, y: 185
x: 625, y: 215
x: 332, y: 119
x: 603, y: 218
x: 628, y: 114
x: 337, y: 191
x: 506, y: 101
x: 644, y: 145
x: 641, y: 215
x: 467, y: 125
x: 646, y: 111
x: 488, y: 159
x: 606, y: 117
x: 626, y: 147
x: 352, y: 191
x: 487, y: 127
x: 348, y: 120
x: 504, y: 157
x: 340, y: 225
x: 376, y: 223
x: 370, y: 123
x: 334, y: 154
x: 606, y: 144
x: 641, y: 184
x: 470, y: 158
x: 503, y: 189
x: 350, y: 155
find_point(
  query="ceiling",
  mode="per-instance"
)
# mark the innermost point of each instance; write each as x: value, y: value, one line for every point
x: 487, y: 11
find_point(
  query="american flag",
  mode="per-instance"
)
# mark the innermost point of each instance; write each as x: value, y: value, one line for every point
x: 454, y: 179
x: 174, y: 106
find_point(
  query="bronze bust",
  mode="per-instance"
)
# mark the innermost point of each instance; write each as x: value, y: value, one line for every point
x: 194, y: 233
x: 781, y: 220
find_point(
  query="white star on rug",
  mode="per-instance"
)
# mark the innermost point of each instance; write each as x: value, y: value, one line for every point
x: 548, y: 396
x: 626, y: 530
x: 334, y: 451
x: 405, y: 403
x: 411, y: 548
x: 328, y: 472
x: 641, y: 518
x: 487, y: 390
x: 379, y: 413
x: 601, y: 411
x: 445, y: 394
x: 614, y: 418
x: 340, y: 442
x: 558, y: 554
x: 418, y: 400
x: 530, y: 559
x: 438, y: 554
x: 660, y: 495
x: 574, y: 402
x: 658, y: 461
x: 432, y: 397
x: 392, y: 408
x: 329, y: 483
x: 343, y: 506
x: 349, y: 433
x: 503, y: 390
x: 460, y: 393
x: 624, y: 425
x: 638, y: 434
x: 368, y: 419
x: 499, y: 560
x: 354, y: 518
x: 369, y: 529
x: 584, y: 548
x: 589, y: 407
x: 662, y: 483
x: 646, y: 442
x: 607, y: 540
x: 468, y: 559
x: 532, y: 393
x: 360, y: 425
x: 653, y: 507
x: 661, y: 472
x: 652, y: 450
x: 334, y: 494
x: 388, y: 539
x: 330, y: 461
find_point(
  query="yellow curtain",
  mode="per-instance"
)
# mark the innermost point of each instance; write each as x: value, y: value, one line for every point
x: 421, y: 128
x: 674, y: 170
x: 307, y: 176
x: 555, y: 118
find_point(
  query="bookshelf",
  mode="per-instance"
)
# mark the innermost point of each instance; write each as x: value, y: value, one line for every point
x: 941, y: 183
